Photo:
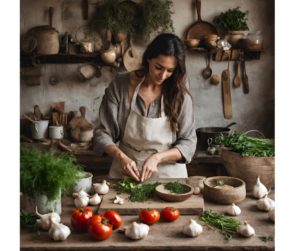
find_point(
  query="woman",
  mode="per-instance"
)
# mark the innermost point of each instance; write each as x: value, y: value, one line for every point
x: 150, y: 112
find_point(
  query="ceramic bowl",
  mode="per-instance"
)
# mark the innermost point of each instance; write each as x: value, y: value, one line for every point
x: 109, y: 56
x: 192, y: 43
x: 167, y: 196
x: 225, y: 196
x: 85, y: 183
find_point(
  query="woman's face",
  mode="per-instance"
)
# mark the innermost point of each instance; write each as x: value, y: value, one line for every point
x: 161, y: 68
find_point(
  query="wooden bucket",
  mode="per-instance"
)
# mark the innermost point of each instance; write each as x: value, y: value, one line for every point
x: 248, y: 168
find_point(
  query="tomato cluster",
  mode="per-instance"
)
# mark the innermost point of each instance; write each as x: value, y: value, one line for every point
x: 150, y: 216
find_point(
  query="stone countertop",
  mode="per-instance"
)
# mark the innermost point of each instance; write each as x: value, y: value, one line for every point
x: 163, y: 235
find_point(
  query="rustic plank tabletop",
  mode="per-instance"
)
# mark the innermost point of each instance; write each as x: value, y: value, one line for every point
x: 163, y: 235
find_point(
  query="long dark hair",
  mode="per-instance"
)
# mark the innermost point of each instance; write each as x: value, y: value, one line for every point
x: 174, y: 87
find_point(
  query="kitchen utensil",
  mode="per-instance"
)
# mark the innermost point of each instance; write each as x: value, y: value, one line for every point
x: 56, y: 132
x: 39, y: 129
x: 192, y: 43
x: 225, y: 196
x: 233, y: 37
x: 204, y: 133
x: 28, y: 118
x: 210, y: 44
x: 196, y: 181
x: 132, y: 60
x: 207, y: 71
x: 85, y: 183
x: 109, y: 56
x: 37, y: 112
x: 32, y: 116
x: 86, y: 47
x: 46, y: 36
x: 200, y: 29
x: 168, y: 196
x: 215, y: 79
x: 237, y: 80
x: 55, y: 118
x: 88, y: 71
x: 28, y: 43
x: 248, y: 168
x: 245, y: 79
x: 226, y: 93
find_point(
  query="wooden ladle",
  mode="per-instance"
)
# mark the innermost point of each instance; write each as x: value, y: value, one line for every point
x: 237, y: 80
x: 207, y: 71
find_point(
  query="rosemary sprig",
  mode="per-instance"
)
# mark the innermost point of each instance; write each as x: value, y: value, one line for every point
x: 267, y: 238
x: 176, y: 187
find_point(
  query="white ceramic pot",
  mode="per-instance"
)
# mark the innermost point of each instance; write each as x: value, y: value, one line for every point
x: 85, y: 183
x: 39, y: 129
x: 56, y: 132
x: 54, y: 206
x: 196, y: 181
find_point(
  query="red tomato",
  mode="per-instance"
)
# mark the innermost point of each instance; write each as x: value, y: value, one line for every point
x: 113, y: 217
x: 149, y: 216
x: 170, y: 214
x: 99, y: 227
x: 80, y: 218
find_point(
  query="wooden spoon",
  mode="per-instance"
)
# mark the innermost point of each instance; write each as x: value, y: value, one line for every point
x: 207, y: 71
x: 226, y: 93
x: 237, y: 80
x: 245, y: 79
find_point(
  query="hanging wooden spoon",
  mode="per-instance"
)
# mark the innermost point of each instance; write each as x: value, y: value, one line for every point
x: 207, y: 71
x: 237, y: 80
x: 245, y: 79
x: 226, y: 93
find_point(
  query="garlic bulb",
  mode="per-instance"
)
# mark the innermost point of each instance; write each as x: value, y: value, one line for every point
x: 95, y: 200
x: 58, y: 231
x: 271, y: 214
x: 81, y: 201
x: 246, y: 230
x: 101, y: 188
x: 211, y: 150
x: 265, y: 203
x: 45, y: 219
x: 233, y: 210
x: 118, y: 200
x: 259, y: 190
x: 192, y: 228
x: 81, y: 193
x: 196, y: 190
x: 137, y: 231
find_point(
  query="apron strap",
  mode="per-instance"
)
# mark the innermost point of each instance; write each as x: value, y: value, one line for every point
x: 136, y: 91
x: 162, y: 107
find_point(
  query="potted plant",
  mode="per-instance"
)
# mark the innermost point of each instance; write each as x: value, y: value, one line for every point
x: 44, y: 177
x: 233, y: 23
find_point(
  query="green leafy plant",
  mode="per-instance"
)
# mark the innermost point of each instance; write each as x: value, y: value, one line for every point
x: 267, y: 238
x: 176, y: 187
x: 42, y: 173
x: 27, y: 219
x: 232, y: 20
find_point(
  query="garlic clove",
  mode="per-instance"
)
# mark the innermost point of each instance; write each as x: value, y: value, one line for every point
x: 192, y: 229
x: 265, y: 204
x: 95, y: 200
x: 58, y: 231
x: 196, y: 190
x: 81, y: 193
x: 45, y: 219
x: 101, y: 188
x: 259, y: 190
x: 81, y: 201
x: 234, y: 210
x: 271, y: 214
x: 246, y: 230
x: 119, y: 200
x: 137, y: 231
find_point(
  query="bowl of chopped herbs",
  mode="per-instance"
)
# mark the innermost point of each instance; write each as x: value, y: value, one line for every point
x: 224, y: 189
x: 174, y: 191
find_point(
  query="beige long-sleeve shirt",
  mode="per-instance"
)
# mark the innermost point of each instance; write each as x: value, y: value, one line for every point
x: 114, y: 112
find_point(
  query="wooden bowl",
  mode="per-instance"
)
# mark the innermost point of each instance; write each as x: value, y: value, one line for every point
x: 192, y: 43
x: 225, y: 196
x: 210, y: 44
x: 167, y: 196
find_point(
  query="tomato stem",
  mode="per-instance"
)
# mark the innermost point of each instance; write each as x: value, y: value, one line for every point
x: 81, y: 210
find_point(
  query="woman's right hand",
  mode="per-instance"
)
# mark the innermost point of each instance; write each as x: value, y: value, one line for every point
x: 128, y: 168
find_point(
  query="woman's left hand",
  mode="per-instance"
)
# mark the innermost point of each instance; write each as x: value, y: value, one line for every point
x: 149, y: 167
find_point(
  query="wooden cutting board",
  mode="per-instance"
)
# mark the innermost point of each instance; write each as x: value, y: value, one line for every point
x: 193, y: 205
x: 226, y: 94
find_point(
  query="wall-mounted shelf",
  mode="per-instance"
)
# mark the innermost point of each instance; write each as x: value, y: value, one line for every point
x: 219, y: 55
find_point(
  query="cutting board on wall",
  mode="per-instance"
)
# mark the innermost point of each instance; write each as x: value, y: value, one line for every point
x: 193, y: 205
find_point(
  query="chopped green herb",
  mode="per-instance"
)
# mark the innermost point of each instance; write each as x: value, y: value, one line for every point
x: 176, y: 187
x: 216, y: 183
x: 27, y: 219
x: 36, y: 236
x: 267, y: 238
x: 223, y: 224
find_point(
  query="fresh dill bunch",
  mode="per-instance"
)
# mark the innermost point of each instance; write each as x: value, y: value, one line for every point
x: 176, y: 187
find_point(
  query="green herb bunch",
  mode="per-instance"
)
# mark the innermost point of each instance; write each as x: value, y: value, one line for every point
x: 176, y: 187
x: 232, y: 20
x: 267, y: 238
x: 216, y: 183
x: 27, y: 219
x: 246, y: 145
x: 43, y: 173
x: 222, y: 224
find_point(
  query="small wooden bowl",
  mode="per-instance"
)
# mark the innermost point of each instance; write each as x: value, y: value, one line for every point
x: 210, y: 44
x: 165, y: 195
x: 225, y: 196
x: 192, y: 43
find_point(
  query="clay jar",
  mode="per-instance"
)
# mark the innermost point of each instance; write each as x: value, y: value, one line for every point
x: 86, y: 47
x: 233, y: 37
x: 108, y: 56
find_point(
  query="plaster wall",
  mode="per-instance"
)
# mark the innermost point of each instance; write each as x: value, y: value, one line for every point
x: 252, y: 111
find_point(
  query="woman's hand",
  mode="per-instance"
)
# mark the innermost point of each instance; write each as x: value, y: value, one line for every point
x: 128, y: 168
x: 149, y: 167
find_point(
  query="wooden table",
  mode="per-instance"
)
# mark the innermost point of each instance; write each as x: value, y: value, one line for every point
x: 163, y: 235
